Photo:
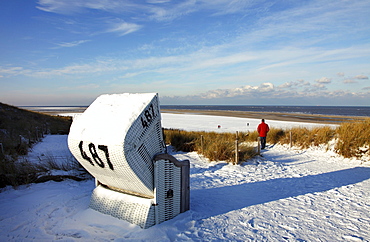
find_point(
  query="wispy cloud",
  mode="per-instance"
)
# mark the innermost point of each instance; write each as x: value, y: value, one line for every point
x: 207, y: 60
x: 358, y: 77
x: 72, y: 6
x: 63, y: 7
x: 286, y: 25
x: 158, y: 1
x: 349, y: 81
x: 238, y: 43
x: 85, y: 87
x: 71, y: 44
x: 123, y: 28
x: 159, y: 10
x: 6, y: 71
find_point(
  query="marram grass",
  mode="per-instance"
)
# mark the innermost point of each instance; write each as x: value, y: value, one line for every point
x: 352, y: 140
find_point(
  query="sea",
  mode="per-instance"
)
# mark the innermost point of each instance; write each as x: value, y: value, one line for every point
x: 363, y: 111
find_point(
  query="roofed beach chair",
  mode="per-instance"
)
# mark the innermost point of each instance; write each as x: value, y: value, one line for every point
x: 119, y: 140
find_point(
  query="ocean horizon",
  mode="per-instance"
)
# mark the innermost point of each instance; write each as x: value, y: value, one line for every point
x: 363, y: 111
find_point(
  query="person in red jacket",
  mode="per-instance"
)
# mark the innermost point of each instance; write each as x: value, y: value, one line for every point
x: 262, y: 130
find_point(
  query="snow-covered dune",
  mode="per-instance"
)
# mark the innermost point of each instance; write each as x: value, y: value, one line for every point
x: 286, y: 195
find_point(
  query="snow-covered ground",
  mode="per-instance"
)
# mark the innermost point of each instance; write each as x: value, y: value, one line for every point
x: 227, y: 124
x: 286, y: 195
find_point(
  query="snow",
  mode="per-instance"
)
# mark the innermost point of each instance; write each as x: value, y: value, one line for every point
x: 287, y: 195
x: 227, y: 124
x: 108, y: 115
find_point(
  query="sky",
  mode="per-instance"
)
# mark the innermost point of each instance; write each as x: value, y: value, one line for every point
x: 232, y: 52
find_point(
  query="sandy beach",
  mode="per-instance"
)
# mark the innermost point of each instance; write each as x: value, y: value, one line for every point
x: 290, y: 117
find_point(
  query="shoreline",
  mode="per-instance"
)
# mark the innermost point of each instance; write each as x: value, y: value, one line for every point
x: 291, y: 117
x: 278, y: 116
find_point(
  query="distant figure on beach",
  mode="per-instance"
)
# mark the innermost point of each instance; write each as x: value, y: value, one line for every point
x: 262, y: 130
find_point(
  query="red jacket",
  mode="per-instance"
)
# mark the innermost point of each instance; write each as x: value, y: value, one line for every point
x: 262, y: 129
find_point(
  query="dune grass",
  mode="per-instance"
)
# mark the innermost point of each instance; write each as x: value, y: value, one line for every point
x: 212, y: 145
x: 352, y: 140
x: 19, y: 130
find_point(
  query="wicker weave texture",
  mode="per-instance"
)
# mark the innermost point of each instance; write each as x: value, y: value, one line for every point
x: 126, y: 164
x: 168, y: 193
x: 142, y: 144
x: 143, y: 211
x: 139, y: 211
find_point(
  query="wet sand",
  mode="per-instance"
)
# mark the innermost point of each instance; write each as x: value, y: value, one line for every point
x: 289, y: 117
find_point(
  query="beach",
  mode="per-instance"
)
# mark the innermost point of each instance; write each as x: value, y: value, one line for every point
x: 278, y: 116
x: 290, y: 117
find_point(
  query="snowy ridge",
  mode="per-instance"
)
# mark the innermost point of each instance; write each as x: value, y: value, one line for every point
x: 286, y: 195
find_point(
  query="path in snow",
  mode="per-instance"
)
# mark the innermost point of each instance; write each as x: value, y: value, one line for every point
x: 278, y: 197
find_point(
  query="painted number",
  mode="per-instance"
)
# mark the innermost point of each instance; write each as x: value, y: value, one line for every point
x: 95, y: 155
x: 148, y: 117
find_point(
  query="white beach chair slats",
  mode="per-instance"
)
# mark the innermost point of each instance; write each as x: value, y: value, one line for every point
x: 118, y: 139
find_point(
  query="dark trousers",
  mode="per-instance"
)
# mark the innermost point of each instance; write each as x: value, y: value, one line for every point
x: 263, y: 142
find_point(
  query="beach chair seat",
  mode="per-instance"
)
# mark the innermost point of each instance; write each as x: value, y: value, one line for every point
x: 119, y: 140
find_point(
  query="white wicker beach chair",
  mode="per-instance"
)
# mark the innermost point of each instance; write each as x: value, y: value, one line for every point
x: 119, y: 140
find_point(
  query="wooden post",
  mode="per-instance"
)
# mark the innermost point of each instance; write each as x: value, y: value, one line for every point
x: 290, y: 139
x: 258, y: 146
x: 236, y: 149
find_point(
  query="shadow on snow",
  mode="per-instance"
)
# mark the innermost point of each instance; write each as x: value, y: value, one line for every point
x: 217, y: 201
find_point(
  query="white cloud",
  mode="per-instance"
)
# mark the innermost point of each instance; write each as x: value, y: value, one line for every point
x: 158, y: 1
x: 13, y: 71
x: 240, y: 91
x: 323, y: 80
x: 266, y: 87
x: 124, y: 28
x: 78, y: 69
x: 267, y: 93
x: 71, y: 44
x: 361, y: 77
x: 294, y: 84
x: 81, y: 87
x: 159, y: 10
x: 348, y: 81
x: 55, y: 6
x: 73, y: 6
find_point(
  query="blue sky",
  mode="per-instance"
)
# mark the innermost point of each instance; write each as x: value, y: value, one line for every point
x: 68, y: 52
